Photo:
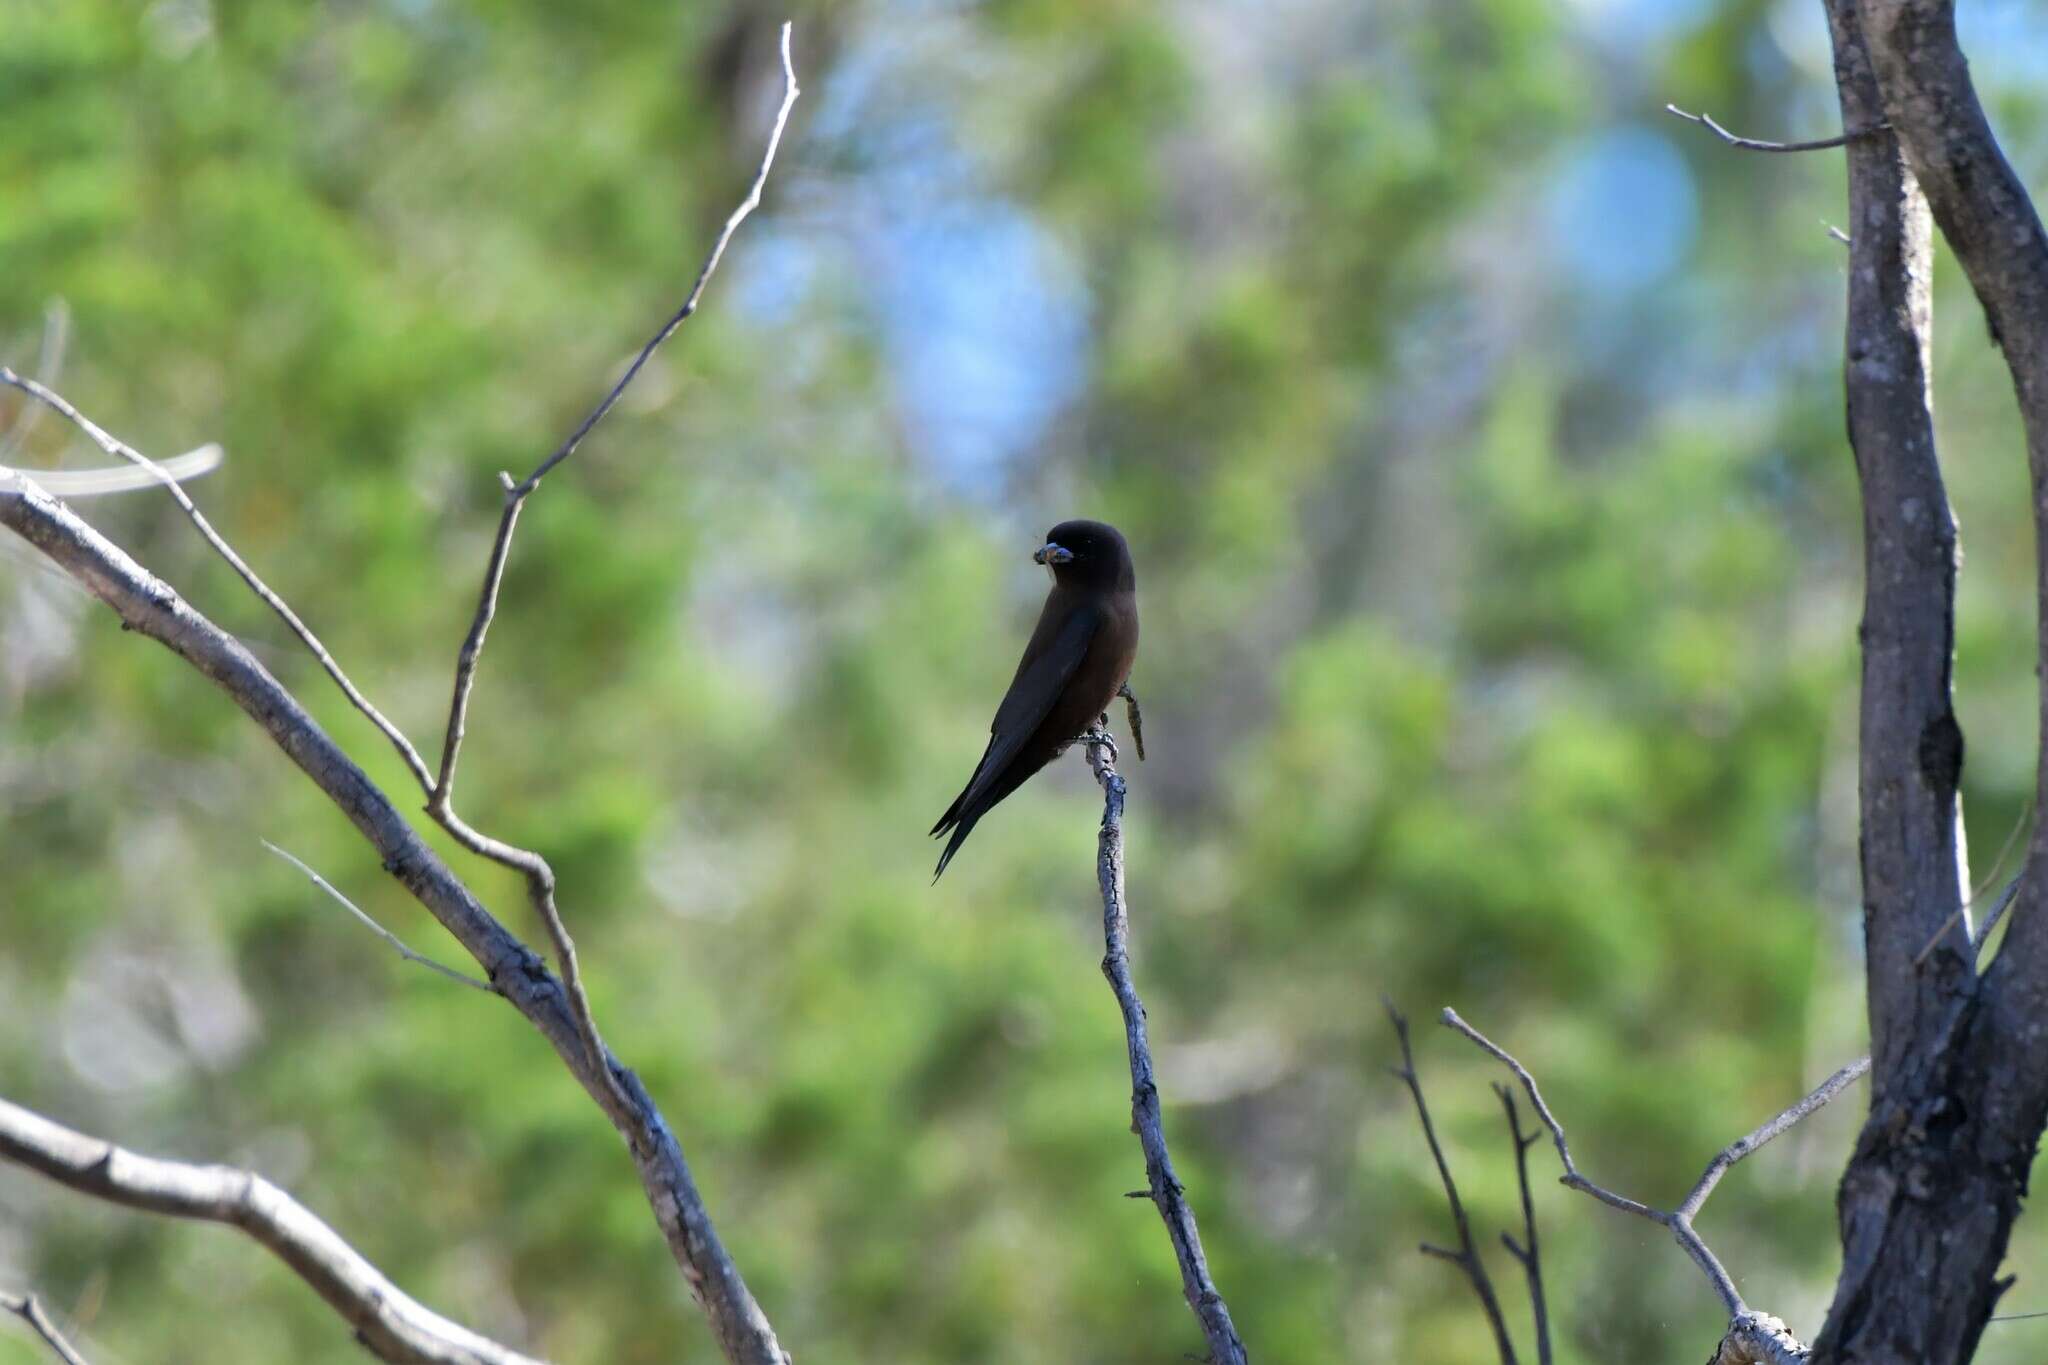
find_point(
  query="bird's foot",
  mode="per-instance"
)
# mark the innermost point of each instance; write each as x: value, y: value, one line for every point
x: 1137, y: 718
x: 1098, y: 735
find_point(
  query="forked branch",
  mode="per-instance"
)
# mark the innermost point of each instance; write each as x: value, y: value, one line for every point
x: 1466, y: 1257
x: 540, y: 877
x: 1747, y: 1328
x: 1528, y: 1254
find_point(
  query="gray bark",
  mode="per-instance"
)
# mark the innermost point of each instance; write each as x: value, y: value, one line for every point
x: 1958, y: 1081
x: 149, y: 606
x: 386, y: 1320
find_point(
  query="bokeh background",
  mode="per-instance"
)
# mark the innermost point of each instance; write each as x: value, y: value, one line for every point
x: 1478, y: 429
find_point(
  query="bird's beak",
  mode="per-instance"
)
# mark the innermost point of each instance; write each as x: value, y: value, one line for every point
x: 1049, y: 554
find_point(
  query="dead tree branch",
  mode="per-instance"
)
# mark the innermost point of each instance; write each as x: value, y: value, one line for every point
x: 1466, y: 1257
x: 560, y: 1008
x: 122, y: 450
x: 1166, y: 1192
x: 1958, y: 1087
x: 385, y: 1319
x: 29, y: 1309
x: 1750, y: 144
x: 540, y: 877
x: 151, y: 607
x: 1743, y: 1321
x: 1527, y: 1254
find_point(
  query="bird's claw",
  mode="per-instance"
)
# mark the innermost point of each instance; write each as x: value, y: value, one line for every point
x: 1137, y: 718
x: 1099, y: 735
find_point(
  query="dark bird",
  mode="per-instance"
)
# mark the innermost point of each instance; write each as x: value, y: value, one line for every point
x: 1078, y: 659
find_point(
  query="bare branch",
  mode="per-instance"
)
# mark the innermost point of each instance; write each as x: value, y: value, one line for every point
x: 1775, y: 1127
x: 560, y: 1008
x: 1949, y: 1039
x: 29, y: 1309
x: 540, y: 877
x: 1168, y: 1195
x: 516, y: 494
x: 152, y: 608
x: 1528, y: 1254
x: 397, y: 944
x: 1679, y: 1220
x: 1466, y: 1257
x: 1750, y: 144
x: 122, y: 450
x: 385, y: 1319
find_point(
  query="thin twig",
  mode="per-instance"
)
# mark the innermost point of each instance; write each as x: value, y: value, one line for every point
x: 1750, y: 144
x: 1466, y: 1257
x: 49, y: 365
x: 1679, y: 1220
x: 516, y: 494
x: 2012, y: 839
x: 1775, y: 1127
x: 1529, y: 1254
x: 29, y: 1309
x: 386, y: 1319
x: 151, y: 608
x: 540, y: 877
x: 397, y: 944
x: 122, y: 450
x: 2004, y: 897
x: 1168, y: 1195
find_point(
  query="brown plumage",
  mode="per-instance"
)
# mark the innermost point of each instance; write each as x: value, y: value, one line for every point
x: 1080, y: 654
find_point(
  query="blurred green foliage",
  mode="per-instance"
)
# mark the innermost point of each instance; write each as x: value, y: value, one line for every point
x: 1500, y: 584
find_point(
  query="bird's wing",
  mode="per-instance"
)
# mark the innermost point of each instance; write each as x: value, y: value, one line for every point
x: 1039, y: 682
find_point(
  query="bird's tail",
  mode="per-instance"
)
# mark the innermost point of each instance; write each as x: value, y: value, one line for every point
x: 961, y: 829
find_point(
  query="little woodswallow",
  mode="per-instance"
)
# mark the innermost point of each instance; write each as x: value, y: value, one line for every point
x: 1078, y: 658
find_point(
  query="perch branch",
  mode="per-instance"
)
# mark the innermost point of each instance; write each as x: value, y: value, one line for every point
x: 1679, y: 1220
x: 385, y: 1319
x: 540, y: 877
x: 1168, y: 1195
x: 29, y: 1309
x: 1466, y: 1257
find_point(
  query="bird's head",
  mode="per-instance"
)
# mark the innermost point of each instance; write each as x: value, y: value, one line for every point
x: 1087, y: 554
